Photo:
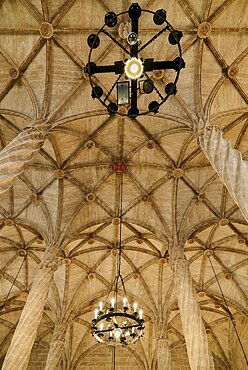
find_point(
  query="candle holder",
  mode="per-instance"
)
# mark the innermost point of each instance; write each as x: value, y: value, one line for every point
x: 117, y: 327
x: 117, y: 323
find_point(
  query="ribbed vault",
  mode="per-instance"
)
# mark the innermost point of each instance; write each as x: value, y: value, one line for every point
x: 68, y: 194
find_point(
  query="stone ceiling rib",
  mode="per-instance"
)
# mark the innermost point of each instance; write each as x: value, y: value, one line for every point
x: 68, y: 191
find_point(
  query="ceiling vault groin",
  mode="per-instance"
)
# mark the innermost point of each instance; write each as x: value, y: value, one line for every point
x: 184, y: 220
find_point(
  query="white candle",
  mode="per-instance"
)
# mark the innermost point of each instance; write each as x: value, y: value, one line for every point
x: 96, y: 313
x: 133, y: 328
x: 101, y: 327
x: 124, y: 302
x: 140, y: 314
x: 135, y: 307
x: 101, y: 306
x: 112, y: 302
x: 110, y: 334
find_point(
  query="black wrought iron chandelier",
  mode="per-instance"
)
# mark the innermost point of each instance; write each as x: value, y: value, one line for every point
x: 134, y: 77
x: 117, y: 322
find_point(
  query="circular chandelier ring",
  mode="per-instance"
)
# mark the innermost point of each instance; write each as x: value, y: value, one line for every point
x: 170, y: 89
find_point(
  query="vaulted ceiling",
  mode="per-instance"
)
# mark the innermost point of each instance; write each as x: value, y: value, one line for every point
x: 70, y: 191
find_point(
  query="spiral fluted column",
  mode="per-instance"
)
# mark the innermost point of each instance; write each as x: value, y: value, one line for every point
x: 163, y: 354
x: 18, y: 152
x: 23, y: 339
x: 228, y: 163
x: 199, y: 353
x: 56, y: 346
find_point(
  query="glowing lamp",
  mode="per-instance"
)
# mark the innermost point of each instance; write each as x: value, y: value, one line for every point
x: 134, y: 68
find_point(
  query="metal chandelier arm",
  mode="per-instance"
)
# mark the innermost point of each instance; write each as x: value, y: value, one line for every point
x: 151, y: 65
x: 134, y: 94
x: 135, y: 29
x: 91, y: 68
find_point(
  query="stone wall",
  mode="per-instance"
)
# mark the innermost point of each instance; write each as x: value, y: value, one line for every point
x: 179, y: 358
x: 38, y: 358
x: 101, y: 359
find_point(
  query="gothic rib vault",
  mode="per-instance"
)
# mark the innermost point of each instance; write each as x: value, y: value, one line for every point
x: 59, y: 194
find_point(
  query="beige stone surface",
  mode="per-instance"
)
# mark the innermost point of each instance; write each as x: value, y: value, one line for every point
x: 66, y: 194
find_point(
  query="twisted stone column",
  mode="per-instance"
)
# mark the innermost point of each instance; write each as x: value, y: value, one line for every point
x: 163, y: 354
x: 22, y: 342
x: 56, y: 346
x: 199, y: 353
x: 18, y: 152
x: 228, y: 163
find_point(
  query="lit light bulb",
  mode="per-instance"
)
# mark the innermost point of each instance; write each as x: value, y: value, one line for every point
x: 96, y: 313
x: 124, y: 302
x: 135, y: 307
x: 110, y: 336
x: 134, y: 68
x: 117, y: 333
x: 127, y: 333
x: 133, y: 334
x: 112, y: 302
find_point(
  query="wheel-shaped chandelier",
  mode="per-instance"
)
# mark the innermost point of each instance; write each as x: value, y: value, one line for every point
x: 117, y: 325
x: 134, y: 71
x: 117, y: 322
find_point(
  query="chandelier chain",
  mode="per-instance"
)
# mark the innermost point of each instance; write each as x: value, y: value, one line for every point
x: 112, y: 88
x: 120, y: 228
x: 154, y: 38
x: 229, y: 312
x: 116, y: 41
x: 155, y: 88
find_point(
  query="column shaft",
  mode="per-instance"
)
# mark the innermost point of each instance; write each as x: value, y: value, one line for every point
x: 199, y: 353
x: 17, y: 153
x: 56, y: 347
x: 229, y: 165
x: 22, y: 342
x: 163, y: 354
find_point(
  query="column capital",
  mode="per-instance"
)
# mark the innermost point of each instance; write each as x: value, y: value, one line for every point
x: 39, y: 127
x: 179, y: 264
x: 57, y: 341
x: 163, y: 341
x: 19, y: 151
x: 49, y: 263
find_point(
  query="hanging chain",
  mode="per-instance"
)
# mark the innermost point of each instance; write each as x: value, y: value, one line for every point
x: 120, y: 228
x: 112, y: 88
x: 229, y: 312
x: 155, y: 88
x: 113, y: 357
x: 116, y: 42
x: 153, y: 38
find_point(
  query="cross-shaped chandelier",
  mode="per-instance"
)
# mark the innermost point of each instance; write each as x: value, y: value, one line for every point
x: 134, y: 71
